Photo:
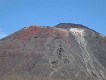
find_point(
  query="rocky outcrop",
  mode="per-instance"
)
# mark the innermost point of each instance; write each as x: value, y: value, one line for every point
x: 64, y: 52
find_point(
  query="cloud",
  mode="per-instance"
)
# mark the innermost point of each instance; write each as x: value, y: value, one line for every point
x: 2, y: 34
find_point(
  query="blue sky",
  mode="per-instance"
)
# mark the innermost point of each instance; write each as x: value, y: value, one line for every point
x: 16, y: 14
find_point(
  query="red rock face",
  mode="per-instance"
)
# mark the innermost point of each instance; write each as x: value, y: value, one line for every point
x: 27, y: 32
x: 46, y: 32
x: 70, y: 52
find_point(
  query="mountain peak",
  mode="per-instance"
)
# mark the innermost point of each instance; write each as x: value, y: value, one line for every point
x: 64, y: 52
x: 69, y: 25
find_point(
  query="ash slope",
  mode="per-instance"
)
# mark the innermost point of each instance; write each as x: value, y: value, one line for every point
x: 64, y: 52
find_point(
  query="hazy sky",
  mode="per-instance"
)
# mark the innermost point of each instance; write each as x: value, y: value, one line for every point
x: 16, y: 14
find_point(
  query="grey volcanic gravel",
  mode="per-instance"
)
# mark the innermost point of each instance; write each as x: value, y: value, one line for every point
x: 64, y: 52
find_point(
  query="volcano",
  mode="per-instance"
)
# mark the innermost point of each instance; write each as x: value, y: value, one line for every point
x: 64, y: 52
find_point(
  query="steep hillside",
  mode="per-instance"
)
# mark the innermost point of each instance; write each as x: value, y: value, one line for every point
x: 64, y: 52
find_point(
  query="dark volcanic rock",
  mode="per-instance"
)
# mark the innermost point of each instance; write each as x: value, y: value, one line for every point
x: 70, y: 25
x: 64, y: 52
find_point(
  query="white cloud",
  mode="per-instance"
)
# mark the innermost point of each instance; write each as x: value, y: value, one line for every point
x: 2, y: 34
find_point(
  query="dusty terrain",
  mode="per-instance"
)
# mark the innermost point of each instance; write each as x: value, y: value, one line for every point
x: 63, y: 52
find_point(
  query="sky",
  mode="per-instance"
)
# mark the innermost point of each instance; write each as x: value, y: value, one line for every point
x: 16, y: 14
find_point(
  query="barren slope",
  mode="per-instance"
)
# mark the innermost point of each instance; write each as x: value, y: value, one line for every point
x: 64, y: 52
